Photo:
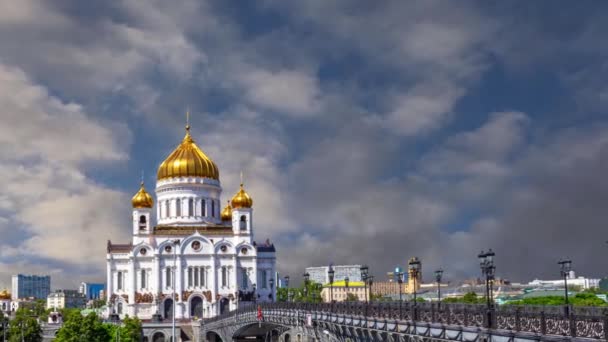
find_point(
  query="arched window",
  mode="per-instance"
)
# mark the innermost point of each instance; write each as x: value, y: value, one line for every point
x: 144, y: 281
x: 191, y: 207
x: 178, y: 208
x: 119, y: 280
x: 243, y: 222
x: 168, y: 276
x: 142, y: 222
x: 119, y: 308
x: 224, y: 276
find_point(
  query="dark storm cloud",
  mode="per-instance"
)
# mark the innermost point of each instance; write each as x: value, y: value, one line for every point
x: 346, y: 117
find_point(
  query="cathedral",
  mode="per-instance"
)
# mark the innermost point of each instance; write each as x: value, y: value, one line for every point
x: 198, y: 260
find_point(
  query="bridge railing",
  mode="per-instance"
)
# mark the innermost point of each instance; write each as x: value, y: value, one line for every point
x: 588, y: 322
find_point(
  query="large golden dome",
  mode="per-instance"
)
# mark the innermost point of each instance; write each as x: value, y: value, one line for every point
x: 4, y: 294
x: 241, y: 199
x: 188, y: 160
x: 142, y: 198
x: 226, y: 214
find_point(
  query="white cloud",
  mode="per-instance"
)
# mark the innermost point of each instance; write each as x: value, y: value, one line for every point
x: 288, y: 92
x: 61, y: 214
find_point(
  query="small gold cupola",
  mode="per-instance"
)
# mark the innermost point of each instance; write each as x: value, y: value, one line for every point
x: 142, y: 198
x: 226, y: 214
x: 4, y: 294
x: 241, y: 199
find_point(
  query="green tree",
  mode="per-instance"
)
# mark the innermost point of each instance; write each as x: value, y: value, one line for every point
x: 468, y: 298
x: 351, y: 297
x: 282, y: 294
x: 98, y: 303
x: 77, y: 328
x: 3, y: 324
x: 24, y: 327
x: 131, y: 330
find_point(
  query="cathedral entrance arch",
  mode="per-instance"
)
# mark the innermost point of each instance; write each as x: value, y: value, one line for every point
x: 196, y: 307
x: 224, y: 305
x: 168, y: 308
x: 158, y: 337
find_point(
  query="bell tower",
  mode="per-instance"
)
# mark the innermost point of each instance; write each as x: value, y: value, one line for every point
x: 142, y: 209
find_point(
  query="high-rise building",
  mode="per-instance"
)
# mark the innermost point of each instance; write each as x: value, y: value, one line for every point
x: 320, y: 274
x: 28, y: 286
x: 92, y: 290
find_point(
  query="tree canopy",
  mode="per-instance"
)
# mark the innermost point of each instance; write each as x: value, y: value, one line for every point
x: 24, y: 327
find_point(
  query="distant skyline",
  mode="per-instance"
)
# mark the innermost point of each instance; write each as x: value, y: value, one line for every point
x: 367, y: 132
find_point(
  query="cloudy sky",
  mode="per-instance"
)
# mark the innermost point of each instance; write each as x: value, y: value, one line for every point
x: 368, y: 132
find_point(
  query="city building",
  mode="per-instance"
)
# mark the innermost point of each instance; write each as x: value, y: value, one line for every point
x: 92, y: 290
x: 320, y: 274
x: 5, y: 301
x: 339, y: 291
x: 197, y: 254
x: 573, y: 280
x: 61, y: 299
x: 28, y: 286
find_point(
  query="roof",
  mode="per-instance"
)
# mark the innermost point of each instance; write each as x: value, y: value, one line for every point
x: 342, y: 283
x: 119, y: 248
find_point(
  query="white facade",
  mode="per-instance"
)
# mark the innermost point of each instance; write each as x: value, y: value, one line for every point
x: 207, y: 265
x: 320, y: 274
x: 584, y: 283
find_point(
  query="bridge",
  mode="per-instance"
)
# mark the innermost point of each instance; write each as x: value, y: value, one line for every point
x: 407, y: 321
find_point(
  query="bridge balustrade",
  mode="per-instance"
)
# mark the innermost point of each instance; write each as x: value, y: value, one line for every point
x: 586, y: 322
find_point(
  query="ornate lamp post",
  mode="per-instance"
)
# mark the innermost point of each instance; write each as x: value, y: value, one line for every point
x: 566, y: 266
x: 486, y: 262
x: 414, y: 270
x: 399, y: 275
x: 331, y: 273
x: 287, y: 286
x: 271, y: 289
x: 254, y: 294
x: 306, y: 277
x: 370, y: 280
x: 346, y: 280
x: 438, y: 275
x: 364, y: 273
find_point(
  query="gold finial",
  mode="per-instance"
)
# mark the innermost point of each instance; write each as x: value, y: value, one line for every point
x: 188, y: 119
x: 142, y: 178
x: 241, y: 178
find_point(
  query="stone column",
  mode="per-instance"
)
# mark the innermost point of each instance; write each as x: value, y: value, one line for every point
x: 179, y: 288
x: 132, y: 283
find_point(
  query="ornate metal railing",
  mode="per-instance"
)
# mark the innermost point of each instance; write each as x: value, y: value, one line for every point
x: 586, y: 322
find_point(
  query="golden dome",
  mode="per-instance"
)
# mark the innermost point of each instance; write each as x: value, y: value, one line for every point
x: 241, y: 199
x: 142, y: 198
x: 188, y: 160
x: 4, y: 294
x: 227, y: 213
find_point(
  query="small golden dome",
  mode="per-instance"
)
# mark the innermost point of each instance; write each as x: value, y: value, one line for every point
x: 4, y: 294
x: 188, y: 160
x: 227, y: 213
x: 142, y: 198
x: 241, y: 199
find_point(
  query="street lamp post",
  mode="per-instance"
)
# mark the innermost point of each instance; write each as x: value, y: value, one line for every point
x: 486, y: 262
x: 346, y: 280
x: 566, y: 266
x: 414, y: 268
x: 370, y: 280
x: 364, y: 272
x: 287, y: 286
x: 438, y: 275
x: 331, y: 273
x: 173, y: 283
x: 399, y: 276
x: 254, y: 294
x: 306, y: 277
x: 271, y: 289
